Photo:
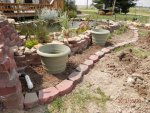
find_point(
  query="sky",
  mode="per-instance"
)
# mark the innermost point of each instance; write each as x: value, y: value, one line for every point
x: 139, y: 3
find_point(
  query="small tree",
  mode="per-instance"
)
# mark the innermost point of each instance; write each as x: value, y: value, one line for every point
x: 125, y: 5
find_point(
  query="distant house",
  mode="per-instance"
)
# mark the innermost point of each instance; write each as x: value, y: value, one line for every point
x: 29, y: 9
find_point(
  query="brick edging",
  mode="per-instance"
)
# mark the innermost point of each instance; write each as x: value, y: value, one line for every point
x: 47, y: 95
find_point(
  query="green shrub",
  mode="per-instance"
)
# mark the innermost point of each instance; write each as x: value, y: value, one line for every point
x: 30, y: 43
x: 72, y: 14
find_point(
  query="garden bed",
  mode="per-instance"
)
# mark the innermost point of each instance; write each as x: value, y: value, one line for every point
x: 42, y: 79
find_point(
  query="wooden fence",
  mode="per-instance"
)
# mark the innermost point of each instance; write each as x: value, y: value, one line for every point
x: 27, y: 9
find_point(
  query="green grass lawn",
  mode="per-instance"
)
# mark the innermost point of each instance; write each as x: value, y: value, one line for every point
x: 93, y: 15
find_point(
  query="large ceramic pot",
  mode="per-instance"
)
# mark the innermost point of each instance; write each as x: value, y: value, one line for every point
x: 100, y: 36
x: 54, y: 57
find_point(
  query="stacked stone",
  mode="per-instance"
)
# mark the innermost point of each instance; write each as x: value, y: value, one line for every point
x: 10, y: 87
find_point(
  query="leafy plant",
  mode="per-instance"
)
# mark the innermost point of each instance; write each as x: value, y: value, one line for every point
x: 72, y: 14
x: 83, y: 26
x: 64, y: 20
x: 30, y: 43
x: 47, y: 14
x: 41, y: 31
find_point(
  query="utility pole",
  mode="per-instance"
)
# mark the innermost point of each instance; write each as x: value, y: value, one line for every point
x: 87, y: 4
x: 113, y: 9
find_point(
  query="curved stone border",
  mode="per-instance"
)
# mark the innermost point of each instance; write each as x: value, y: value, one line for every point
x: 47, y: 95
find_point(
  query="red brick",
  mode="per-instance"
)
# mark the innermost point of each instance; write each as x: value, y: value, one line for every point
x: 1, y: 45
x: 89, y: 63
x: 83, y: 68
x: 3, y: 23
x: 100, y: 54
x: 4, y: 65
x: 75, y: 76
x: 14, y: 102
x: 47, y: 95
x: 7, y: 41
x: 5, y: 28
x: 12, y: 43
x: 8, y: 90
x: 20, y: 58
x: 1, y: 37
x: 65, y: 87
x: 95, y: 58
x: 12, y: 64
x: 30, y: 100
x: 13, y: 36
x: 105, y: 50
x: 4, y: 75
x: 111, y: 48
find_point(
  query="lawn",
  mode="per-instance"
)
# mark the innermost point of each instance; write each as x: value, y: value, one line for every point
x: 142, y: 17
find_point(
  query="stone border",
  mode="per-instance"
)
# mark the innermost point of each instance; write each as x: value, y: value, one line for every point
x: 47, y: 95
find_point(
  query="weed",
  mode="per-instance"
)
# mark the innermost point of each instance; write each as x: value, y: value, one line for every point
x: 56, y: 105
x: 30, y: 43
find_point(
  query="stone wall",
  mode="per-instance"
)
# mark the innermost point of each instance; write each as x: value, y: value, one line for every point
x: 10, y: 86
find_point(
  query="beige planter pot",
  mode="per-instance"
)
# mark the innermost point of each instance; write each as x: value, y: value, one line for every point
x: 54, y: 57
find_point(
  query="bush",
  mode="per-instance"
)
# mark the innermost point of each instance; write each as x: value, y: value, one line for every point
x: 30, y: 43
x: 72, y: 14
x: 47, y: 14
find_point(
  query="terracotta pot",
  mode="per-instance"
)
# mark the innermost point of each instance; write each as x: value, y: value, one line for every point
x: 54, y: 57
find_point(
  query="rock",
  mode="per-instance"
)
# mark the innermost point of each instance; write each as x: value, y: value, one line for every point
x: 10, y: 20
x: 19, y: 53
x: 139, y: 81
x: 14, y: 48
x: 27, y: 51
x: 37, y: 46
x: 130, y: 80
x: 21, y: 48
x: 33, y: 50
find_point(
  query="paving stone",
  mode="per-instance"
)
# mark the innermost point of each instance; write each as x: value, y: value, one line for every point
x: 89, y: 63
x: 65, y: 87
x: 95, y: 58
x: 100, y: 54
x: 75, y: 76
x: 83, y: 68
x: 105, y: 50
x: 30, y: 100
x: 47, y: 95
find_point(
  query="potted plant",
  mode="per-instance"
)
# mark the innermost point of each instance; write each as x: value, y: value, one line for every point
x: 100, y: 36
x: 54, y: 57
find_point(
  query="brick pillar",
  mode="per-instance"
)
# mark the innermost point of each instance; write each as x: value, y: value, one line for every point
x: 10, y: 87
